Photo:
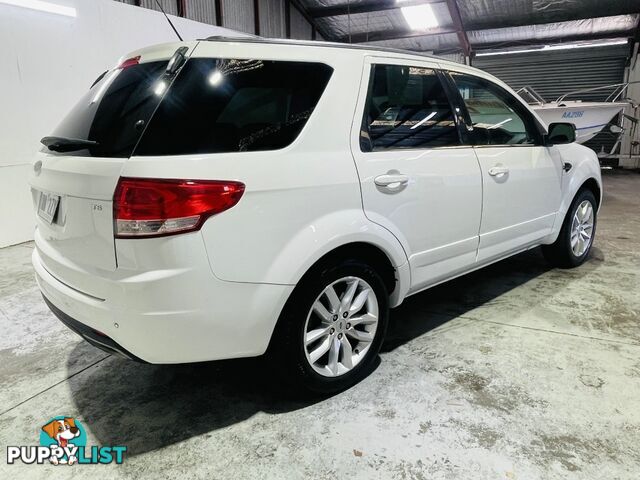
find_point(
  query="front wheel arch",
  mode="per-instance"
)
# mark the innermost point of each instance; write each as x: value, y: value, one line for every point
x: 559, y: 253
x: 592, y: 185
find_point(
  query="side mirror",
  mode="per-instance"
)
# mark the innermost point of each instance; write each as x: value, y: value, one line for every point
x: 561, y: 133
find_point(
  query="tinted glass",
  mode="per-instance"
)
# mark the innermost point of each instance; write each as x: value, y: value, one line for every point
x: 114, y: 110
x: 226, y: 105
x: 497, y: 117
x: 407, y: 107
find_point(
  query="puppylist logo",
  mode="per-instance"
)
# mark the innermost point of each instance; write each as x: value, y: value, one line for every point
x: 63, y: 441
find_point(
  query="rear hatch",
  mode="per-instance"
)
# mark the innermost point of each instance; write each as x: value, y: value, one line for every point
x: 76, y: 174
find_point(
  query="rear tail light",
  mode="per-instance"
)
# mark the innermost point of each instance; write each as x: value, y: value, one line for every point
x: 145, y: 207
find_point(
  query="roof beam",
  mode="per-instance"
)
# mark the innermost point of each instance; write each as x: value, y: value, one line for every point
x: 363, y: 37
x: 256, y: 17
x: 366, y: 7
x: 554, y: 40
x: 557, y: 17
x: 218, y: 7
x: 182, y: 8
x: 454, y: 11
x: 382, y: 35
x: 287, y: 18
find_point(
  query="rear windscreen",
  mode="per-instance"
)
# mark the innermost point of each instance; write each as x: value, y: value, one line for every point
x: 115, y: 110
x: 227, y: 105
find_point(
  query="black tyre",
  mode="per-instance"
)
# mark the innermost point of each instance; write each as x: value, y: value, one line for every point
x: 576, y: 236
x: 331, y: 330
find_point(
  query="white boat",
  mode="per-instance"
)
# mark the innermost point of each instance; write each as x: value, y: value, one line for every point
x: 590, y: 118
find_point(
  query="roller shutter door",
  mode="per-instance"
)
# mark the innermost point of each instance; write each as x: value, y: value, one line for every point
x: 556, y: 73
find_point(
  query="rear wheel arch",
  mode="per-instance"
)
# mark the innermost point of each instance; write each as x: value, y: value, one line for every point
x: 286, y: 349
x: 362, y: 252
x: 365, y: 252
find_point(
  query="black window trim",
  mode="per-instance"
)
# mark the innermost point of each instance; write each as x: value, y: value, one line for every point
x: 440, y: 73
x: 466, y: 117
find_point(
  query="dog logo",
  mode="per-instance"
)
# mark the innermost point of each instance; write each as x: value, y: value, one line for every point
x: 65, y: 432
x: 63, y: 441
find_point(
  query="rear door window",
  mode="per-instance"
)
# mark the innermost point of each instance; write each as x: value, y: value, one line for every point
x: 407, y: 107
x: 114, y: 111
x: 230, y: 105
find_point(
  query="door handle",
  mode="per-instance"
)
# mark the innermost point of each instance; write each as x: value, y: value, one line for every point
x: 498, y: 171
x: 391, y: 180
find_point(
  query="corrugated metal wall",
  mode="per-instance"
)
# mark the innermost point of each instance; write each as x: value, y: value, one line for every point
x: 453, y: 57
x: 170, y: 6
x: 300, y: 28
x: 272, y: 19
x: 555, y: 73
x: 202, y: 11
x: 238, y: 15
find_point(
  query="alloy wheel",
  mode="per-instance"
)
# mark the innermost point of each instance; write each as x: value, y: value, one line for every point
x: 582, y: 228
x: 341, y: 326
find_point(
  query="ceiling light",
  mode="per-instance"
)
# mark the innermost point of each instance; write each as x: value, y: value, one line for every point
x: 548, y: 48
x: 42, y: 6
x: 420, y: 17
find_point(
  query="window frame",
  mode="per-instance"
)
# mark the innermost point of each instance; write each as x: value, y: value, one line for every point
x: 522, y: 110
x: 369, y: 67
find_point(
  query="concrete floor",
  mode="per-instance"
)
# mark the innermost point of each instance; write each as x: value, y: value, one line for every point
x: 518, y: 371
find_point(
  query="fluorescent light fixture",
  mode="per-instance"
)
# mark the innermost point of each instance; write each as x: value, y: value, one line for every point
x: 548, y: 48
x: 419, y: 17
x: 42, y: 6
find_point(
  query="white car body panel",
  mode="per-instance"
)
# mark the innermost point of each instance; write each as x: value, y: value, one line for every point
x: 164, y: 305
x: 437, y: 215
x: 218, y: 292
x: 519, y: 208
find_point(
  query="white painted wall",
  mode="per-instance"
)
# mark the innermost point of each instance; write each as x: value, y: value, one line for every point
x: 47, y: 62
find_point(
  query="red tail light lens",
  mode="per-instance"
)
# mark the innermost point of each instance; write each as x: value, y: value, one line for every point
x: 145, y: 207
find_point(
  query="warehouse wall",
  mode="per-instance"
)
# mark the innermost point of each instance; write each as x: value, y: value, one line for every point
x: 73, y: 51
x: 240, y: 15
x: 272, y: 18
x: 237, y: 14
x: 556, y: 73
x: 48, y: 62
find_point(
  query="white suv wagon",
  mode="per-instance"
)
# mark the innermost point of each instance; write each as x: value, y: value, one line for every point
x: 230, y: 198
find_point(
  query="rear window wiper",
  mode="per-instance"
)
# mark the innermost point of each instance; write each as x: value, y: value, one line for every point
x: 63, y: 144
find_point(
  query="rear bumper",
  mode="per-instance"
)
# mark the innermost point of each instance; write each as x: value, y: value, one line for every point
x: 94, y: 337
x: 171, y: 315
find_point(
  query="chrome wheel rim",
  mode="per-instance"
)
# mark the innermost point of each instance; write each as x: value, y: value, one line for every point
x: 582, y: 228
x: 341, y: 326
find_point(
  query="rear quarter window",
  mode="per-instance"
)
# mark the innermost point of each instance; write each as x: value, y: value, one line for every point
x: 229, y: 105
